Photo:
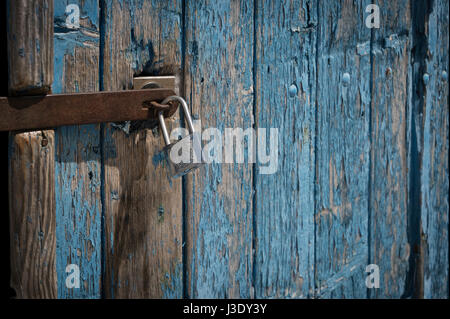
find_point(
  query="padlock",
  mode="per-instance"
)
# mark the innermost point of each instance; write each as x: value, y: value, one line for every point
x: 193, y: 141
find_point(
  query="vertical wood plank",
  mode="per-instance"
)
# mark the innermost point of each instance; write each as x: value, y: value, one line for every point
x: 219, y: 89
x: 342, y: 150
x: 434, y: 173
x: 143, y: 208
x: 30, y: 46
x: 77, y: 166
x: 31, y: 154
x: 391, y: 78
x: 285, y: 99
x: 32, y: 215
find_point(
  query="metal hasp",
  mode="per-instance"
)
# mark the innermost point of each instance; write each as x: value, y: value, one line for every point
x: 153, y: 82
x: 38, y: 112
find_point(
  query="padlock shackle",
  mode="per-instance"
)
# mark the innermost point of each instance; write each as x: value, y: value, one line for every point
x: 163, y: 128
x: 185, y: 109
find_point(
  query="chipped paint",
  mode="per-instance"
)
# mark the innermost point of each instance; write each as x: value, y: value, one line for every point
x: 219, y: 79
x: 77, y: 165
x: 363, y: 175
x: 284, y: 225
x: 434, y: 176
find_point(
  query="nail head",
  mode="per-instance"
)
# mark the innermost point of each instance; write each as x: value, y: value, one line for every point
x: 292, y: 90
x: 346, y: 78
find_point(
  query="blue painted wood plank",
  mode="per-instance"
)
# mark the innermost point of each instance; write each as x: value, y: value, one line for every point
x: 362, y: 174
x: 143, y: 208
x: 342, y: 150
x: 219, y: 89
x: 434, y: 172
x: 390, y: 124
x: 77, y: 159
x: 285, y: 95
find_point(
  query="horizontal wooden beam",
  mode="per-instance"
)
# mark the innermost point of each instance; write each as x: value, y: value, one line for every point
x: 38, y: 112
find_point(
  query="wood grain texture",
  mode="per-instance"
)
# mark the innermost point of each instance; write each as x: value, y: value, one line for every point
x: 32, y: 215
x: 342, y: 150
x: 31, y: 154
x: 77, y: 158
x: 362, y: 173
x: 434, y: 173
x: 219, y: 89
x: 143, y: 207
x: 390, y: 120
x: 285, y: 99
x: 30, y: 46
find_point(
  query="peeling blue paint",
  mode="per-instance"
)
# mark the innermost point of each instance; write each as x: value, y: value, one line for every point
x: 77, y: 196
x: 171, y: 284
x: 434, y: 175
x: 284, y: 201
x: 361, y: 171
x: 219, y: 62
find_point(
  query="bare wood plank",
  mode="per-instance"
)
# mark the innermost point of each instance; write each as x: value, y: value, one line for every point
x: 77, y: 158
x: 143, y: 208
x: 434, y: 173
x: 285, y: 99
x: 30, y: 46
x: 31, y: 155
x: 389, y: 246
x: 219, y: 88
x: 32, y: 215
x: 342, y: 150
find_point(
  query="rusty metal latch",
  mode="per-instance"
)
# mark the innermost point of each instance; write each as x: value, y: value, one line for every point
x: 39, y: 112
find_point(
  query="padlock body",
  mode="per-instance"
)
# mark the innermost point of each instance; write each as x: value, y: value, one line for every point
x: 184, y: 155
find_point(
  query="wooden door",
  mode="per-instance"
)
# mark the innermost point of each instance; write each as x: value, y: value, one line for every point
x: 362, y: 175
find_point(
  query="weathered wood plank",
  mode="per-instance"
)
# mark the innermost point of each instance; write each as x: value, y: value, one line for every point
x: 4, y: 152
x: 362, y: 154
x: 31, y: 155
x: 434, y: 173
x: 389, y: 247
x: 32, y: 215
x: 30, y: 46
x: 143, y: 208
x: 342, y: 150
x: 285, y: 99
x: 219, y: 89
x: 77, y: 166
